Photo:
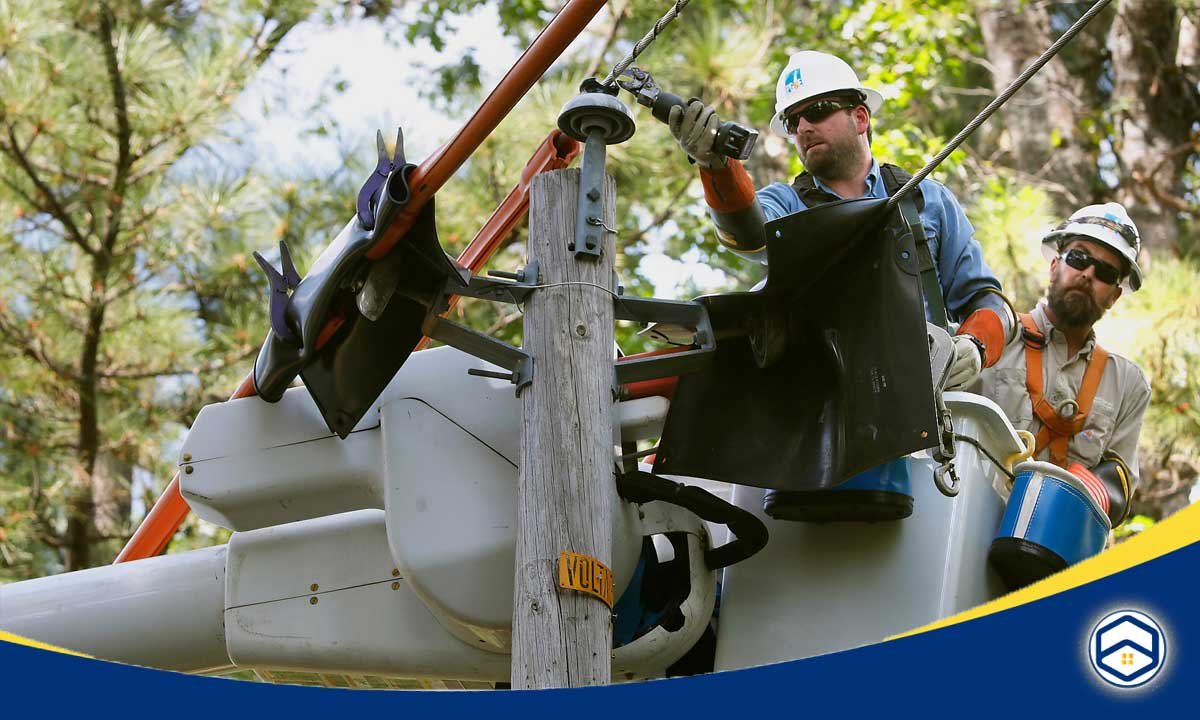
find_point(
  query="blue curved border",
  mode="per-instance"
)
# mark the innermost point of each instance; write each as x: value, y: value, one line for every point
x: 1005, y: 664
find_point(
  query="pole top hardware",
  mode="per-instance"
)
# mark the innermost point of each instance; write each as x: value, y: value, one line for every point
x: 596, y: 112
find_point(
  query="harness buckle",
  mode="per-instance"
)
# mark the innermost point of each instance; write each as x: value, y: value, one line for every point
x: 1067, y: 409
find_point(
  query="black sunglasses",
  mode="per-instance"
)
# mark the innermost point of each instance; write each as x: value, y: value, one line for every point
x: 816, y: 112
x: 1081, y: 261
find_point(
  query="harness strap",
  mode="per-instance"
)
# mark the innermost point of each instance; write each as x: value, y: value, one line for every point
x: 1056, y: 430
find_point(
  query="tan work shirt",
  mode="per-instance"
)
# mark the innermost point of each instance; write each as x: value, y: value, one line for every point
x: 1115, y: 419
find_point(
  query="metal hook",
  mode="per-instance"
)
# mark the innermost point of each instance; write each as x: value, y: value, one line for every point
x: 593, y: 220
x: 949, y: 489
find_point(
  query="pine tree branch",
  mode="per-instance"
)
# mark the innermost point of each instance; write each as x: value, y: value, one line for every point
x: 34, y: 349
x: 34, y: 410
x: 120, y: 106
x: 671, y: 207
x: 158, y: 8
x: 268, y: 45
x: 128, y: 373
x: 52, y: 205
x: 45, y: 531
x: 56, y: 288
x: 619, y: 17
x: 66, y: 174
x: 1168, y: 199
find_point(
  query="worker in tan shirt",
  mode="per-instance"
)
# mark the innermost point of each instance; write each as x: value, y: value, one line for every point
x: 1083, y: 404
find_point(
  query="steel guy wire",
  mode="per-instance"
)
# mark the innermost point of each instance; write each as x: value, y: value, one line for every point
x: 644, y: 42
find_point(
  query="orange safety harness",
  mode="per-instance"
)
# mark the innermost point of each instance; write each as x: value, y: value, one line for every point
x: 1056, y: 430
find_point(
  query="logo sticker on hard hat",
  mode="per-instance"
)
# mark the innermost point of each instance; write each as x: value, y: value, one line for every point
x: 1127, y: 648
x: 794, y: 80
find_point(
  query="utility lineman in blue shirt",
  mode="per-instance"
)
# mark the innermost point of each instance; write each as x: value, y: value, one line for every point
x: 826, y: 112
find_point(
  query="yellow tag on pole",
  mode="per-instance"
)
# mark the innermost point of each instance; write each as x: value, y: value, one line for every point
x: 587, y: 575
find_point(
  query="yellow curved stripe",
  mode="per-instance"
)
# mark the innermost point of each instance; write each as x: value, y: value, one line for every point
x: 18, y: 640
x: 1179, y: 530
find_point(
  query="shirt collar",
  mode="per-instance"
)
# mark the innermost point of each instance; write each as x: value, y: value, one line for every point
x: 873, y: 183
x: 1053, y: 334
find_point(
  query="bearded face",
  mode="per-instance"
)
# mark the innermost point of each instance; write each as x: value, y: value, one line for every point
x: 831, y: 149
x: 1073, y: 304
x: 1076, y: 298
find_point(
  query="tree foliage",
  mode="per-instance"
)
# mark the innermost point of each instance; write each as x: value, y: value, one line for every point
x: 130, y: 298
x: 127, y: 287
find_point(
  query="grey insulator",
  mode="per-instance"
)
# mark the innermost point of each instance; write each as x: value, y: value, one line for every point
x: 596, y: 111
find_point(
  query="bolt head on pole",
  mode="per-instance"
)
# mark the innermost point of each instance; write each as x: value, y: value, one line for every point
x: 592, y: 112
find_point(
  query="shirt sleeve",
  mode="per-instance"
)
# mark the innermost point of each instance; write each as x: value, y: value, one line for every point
x: 962, y: 271
x: 1128, y: 426
x: 778, y: 200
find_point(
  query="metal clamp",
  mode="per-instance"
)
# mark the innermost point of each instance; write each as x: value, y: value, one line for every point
x: 282, y: 283
x: 367, y: 201
x: 945, y: 451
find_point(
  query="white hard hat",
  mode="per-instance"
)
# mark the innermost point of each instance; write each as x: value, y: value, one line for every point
x: 1107, y: 224
x: 810, y: 74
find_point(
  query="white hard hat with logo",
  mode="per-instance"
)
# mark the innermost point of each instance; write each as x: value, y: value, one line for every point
x: 810, y: 74
x: 1108, y: 224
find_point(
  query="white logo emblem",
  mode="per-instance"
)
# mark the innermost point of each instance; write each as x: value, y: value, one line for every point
x: 793, y: 81
x: 1127, y: 648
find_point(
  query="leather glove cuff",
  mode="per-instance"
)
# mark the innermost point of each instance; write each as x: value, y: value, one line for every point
x: 728, y: 188
x: 986, y: 327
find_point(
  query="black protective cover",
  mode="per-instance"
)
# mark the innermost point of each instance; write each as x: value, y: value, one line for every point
x: 1020, y: 562
x: 352, y: 369
x: 853, y: 387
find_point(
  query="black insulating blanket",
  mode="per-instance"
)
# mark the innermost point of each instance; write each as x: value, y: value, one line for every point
x: 847, y: 382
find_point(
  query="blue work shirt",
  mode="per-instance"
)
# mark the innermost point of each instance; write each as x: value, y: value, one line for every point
x: 962, y: 272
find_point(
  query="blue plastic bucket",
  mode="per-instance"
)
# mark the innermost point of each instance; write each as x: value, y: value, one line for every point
x: 879, y: 494
x: 1051, y: 523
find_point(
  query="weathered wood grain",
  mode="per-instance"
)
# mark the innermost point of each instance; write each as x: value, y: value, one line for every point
x: 565, y: 496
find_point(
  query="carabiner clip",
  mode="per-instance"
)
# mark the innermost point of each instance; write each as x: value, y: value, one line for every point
x: 949, y: 489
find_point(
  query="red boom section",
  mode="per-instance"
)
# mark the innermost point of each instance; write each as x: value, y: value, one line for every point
x: 429, y: 177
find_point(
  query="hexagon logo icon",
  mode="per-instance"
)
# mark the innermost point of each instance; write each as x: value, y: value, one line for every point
x: 1127, y: 648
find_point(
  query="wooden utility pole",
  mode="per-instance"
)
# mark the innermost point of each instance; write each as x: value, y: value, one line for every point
x: 563, y: 638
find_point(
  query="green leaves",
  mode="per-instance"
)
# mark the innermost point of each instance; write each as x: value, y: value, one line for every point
x: 123, y: 278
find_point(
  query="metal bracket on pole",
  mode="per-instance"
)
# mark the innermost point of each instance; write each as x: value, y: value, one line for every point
x: 589, y: 221
x: 514, y: 288
x: 596, y: 118
x: 515, y: 360
x: 679, y: 313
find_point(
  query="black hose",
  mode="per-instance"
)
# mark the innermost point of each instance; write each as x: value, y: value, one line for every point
x: 643, y: 487
x: 972, y: 441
